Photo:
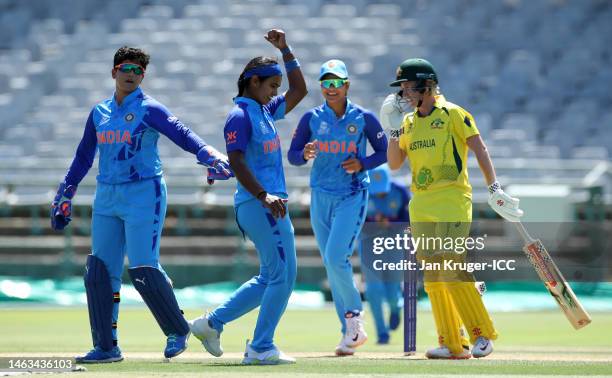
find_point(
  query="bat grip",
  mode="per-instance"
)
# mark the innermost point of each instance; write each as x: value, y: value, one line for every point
x: 521, y: 229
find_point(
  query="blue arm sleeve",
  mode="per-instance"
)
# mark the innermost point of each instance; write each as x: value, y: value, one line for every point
x: 237, y: 130
x: 160, y: 119
x: 301, y: 136
x: 378, y: 140
x: 85, y: 153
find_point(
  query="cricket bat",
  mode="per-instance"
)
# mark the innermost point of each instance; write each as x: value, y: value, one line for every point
x: 553, y: 279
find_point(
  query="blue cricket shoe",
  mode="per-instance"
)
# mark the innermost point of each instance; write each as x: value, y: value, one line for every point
x: 175, y: 345
x: 100, y: 356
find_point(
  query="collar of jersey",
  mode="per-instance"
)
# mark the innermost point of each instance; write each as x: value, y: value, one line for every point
x: 329, y: 112
x: 438, y: 104
x: 128, y: 99
x: 248, y: 101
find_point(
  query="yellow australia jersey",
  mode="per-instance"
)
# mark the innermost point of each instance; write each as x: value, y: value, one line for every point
x: 436, y: 147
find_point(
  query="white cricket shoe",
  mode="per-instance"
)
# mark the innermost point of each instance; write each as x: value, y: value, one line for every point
x: 443, y: 353
x: 355, y: 334
x: 343, y: 350
x: 210, y: 337
x: 482, y: 347
x: 269, y: 357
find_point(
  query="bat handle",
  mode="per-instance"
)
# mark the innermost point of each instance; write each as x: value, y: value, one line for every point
x: 521, y: 229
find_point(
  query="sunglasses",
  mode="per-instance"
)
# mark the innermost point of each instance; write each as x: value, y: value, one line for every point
x: 337, y: 83
x: 127, y: 67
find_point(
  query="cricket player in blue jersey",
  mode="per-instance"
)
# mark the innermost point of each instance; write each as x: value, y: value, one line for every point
x: 335, y: 135
x: 129, y: 205
x: 388, y: 203
x: 254, y: 151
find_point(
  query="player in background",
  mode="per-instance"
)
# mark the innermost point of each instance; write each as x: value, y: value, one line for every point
x: 335, y: 136
x: 388, y: 203
x: 254, y: 151
x: 435, y: 138
x: 129, y: 206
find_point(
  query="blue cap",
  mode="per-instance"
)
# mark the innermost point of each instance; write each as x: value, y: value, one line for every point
x: 380, y: 180
x: 334, y: 66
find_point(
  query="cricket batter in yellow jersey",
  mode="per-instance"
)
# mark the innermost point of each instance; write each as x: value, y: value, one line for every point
x: 435, y: 138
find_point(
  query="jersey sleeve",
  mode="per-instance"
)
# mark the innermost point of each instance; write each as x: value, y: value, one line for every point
x: 464, y: 124
x: 301, y: 136
x: 237, y: 131
x: 378, y: 140
x: 277, y: 107
x: 85, y: 154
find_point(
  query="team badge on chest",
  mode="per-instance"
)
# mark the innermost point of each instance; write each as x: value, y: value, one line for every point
x: 129, y: 117
x: 351, y: 129
x: 437, y: 124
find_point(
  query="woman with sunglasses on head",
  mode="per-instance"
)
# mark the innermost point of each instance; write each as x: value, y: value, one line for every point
x: 260, y: 202
x: 129, y: 205
x: 335, y: 136
x: 435, y: 138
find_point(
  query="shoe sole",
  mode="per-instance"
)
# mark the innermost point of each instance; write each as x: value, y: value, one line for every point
x: 106, y: 361
x: 344, y: 354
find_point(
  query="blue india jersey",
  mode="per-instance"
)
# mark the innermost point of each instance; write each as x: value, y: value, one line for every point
x: 339, y: 139
x: 250, y: 128
x: 126, y: 137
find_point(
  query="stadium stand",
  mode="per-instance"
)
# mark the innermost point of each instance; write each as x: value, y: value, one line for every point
x: 534, y: 73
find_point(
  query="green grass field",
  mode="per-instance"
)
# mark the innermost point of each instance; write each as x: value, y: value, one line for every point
x: 529, y: 344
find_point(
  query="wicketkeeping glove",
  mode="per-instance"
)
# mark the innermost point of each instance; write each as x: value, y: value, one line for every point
x: 507, y: 207
x: 220, y: 172
x: 218, y: 164
x: 61, y: 207
x: 391, y: 115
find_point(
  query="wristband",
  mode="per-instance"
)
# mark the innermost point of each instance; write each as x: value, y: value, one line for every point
x: 494, y: 187
x: 286, y: 50
x: 291, y: 65
x: 260, y: 193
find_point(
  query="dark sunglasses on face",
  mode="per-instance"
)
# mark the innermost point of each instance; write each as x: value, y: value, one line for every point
x: 337, y: 83
x: 127, y: 67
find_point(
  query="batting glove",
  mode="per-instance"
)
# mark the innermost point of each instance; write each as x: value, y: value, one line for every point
x: 61, y: 207
x: 507, y: 207
x: 391, y: 115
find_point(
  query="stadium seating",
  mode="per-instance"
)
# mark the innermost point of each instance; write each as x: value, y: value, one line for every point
x: 509, y: 66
